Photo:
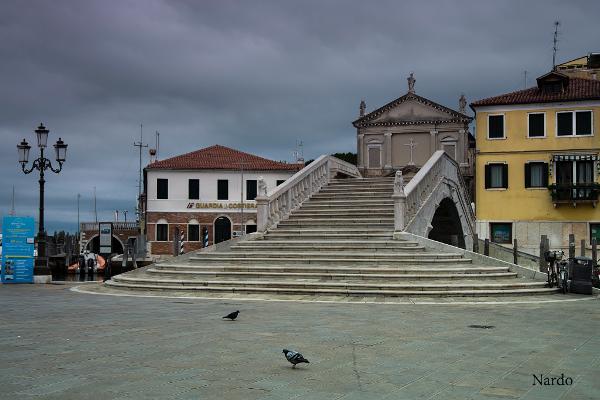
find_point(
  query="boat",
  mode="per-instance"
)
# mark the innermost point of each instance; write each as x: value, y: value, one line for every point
x: 93, y: 262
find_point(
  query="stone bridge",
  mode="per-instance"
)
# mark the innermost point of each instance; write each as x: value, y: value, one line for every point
x: 90, y: 240
x: 434, y: 204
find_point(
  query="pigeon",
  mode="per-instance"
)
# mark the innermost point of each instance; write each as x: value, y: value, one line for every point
x: 232, y: 316
x: 294, y: 357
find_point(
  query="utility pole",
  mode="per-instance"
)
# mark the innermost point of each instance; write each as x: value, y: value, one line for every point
x: 12, y: 210
x: 242, y: 200
x: 95, y: 209
x: 157, y: 143
x: 140, y: 145
x: 78, y: 197
x: 525, y: 73
x: 555, y: 48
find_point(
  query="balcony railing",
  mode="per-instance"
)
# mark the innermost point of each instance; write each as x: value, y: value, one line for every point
x: 574, y: 193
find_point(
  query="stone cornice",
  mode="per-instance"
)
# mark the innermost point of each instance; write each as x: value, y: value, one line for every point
x: 365, y: 121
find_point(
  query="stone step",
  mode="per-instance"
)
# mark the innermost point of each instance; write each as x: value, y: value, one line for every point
x: 345, y: 290
x: 349, y: 206
x: 507, y: 283
x: 268, y: 247
x: 303, y: 223
x: 349, y: 189
x: 345, y: 254
x: 233, y: 259
x: 301, y: 268
x: 351, y: 196
x: 307, y: 236
x: 391, y: 244
x: 343, y: 202
x: 324, y: 276
x: 342, y: 220
x: 341, y: 213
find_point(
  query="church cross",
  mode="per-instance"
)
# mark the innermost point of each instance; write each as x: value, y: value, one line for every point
x: 412, y: 145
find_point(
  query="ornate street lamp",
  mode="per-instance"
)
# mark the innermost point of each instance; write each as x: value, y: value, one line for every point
x: 42, y: 164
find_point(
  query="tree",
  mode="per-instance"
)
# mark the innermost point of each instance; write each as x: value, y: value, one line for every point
x: 348, y: 157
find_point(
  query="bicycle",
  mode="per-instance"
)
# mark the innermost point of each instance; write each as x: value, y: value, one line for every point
x: 552, y: 257
x: 563, y: 275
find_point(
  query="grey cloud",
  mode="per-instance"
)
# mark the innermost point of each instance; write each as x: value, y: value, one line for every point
x: 256, y: 76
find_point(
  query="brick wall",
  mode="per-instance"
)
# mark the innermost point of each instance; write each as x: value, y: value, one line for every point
x: 180, y: 220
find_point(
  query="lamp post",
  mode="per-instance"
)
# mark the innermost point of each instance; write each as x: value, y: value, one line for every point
x: 42, y: 164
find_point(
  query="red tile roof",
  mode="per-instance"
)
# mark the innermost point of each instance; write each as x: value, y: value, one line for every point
x: 577, y: 89
x: 221, y: 157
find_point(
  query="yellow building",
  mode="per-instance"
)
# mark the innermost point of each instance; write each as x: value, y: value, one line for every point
x: 537, y: 168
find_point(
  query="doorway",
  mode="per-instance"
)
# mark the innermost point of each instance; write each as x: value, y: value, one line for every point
x: 222, y: 229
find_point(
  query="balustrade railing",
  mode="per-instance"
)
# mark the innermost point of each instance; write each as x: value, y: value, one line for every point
x: 410, y: 199
x: 122, y: 226
x: 276, y: 205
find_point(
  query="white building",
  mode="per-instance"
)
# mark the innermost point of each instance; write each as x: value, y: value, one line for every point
x: 202, y: 195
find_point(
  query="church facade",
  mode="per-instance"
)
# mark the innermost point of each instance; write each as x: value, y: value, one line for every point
x: 403, y: 134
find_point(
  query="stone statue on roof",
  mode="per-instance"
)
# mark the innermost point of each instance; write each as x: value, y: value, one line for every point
x: 462, y: 104
x: 362, y: 108
x: 411, y: 83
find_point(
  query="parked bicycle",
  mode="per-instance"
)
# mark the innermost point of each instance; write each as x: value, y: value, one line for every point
x: 558, y: 270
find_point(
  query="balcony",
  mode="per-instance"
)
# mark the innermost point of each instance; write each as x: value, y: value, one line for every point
x: 574, y: 193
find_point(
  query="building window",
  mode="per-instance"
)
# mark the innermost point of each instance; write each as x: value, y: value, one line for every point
x: 536, y: 175
x: 495, y: 126
x: 222, y: 189
x: 193, y: 233
x: 162, y: 232
x: 162, y: 188
x: 251, y: 189
x: 496, y: 176
x: 501, y: 232
x: 536, y: 125
x: 569, y: 125
x: 595, y: 232
x: 280, y: 181
x: 194, y: 189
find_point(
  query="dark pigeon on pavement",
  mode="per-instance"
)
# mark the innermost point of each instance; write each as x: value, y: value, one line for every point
x: 294, y: 357
x: 232, y: 316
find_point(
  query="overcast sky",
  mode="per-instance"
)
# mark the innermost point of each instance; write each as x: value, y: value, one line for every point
x: 252, y: 75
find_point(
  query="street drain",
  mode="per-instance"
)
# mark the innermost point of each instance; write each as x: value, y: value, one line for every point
x: 183, y: 302
x: 482, y: 326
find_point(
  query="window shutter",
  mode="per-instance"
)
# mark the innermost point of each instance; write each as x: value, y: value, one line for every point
x: 545, y: 174
x: 527, y: 175
x: 505, y: 176
x: 488, y: 176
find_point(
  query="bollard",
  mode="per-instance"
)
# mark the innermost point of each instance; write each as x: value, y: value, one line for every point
x: 582, y: 248
x: 486, y: 247
x: 475, y: 243
x: 542, y: 261
x: 594, y: 250
x: 515, y: 256
x: 571, y: 246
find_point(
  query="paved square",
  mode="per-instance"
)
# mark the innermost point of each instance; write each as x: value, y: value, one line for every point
x: 59, y: 344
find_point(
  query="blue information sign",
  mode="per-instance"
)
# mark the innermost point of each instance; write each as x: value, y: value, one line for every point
x: 17, y: 249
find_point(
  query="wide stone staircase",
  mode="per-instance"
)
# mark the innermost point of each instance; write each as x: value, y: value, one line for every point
x: 338, y: 243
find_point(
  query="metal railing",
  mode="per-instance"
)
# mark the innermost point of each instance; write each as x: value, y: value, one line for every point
x: 574, y: 192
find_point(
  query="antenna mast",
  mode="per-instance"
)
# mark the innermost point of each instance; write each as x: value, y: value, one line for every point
x: 555, y: 48
x: 140, y: 145
x: 525, y: 73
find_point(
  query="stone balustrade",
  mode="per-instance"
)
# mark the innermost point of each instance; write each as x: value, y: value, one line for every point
x: 416, y: 202
x: 276, y: 205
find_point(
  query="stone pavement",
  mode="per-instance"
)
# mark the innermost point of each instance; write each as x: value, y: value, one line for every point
x: 60, y: 344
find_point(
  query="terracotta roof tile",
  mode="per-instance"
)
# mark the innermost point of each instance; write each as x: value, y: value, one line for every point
x: 577, y: 89
x: 221, y: 157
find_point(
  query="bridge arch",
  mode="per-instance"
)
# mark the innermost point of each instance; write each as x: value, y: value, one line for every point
x: 446, y: 226
x: 93, y: 244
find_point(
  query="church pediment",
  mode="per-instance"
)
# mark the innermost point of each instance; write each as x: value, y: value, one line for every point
x: 411, y: 109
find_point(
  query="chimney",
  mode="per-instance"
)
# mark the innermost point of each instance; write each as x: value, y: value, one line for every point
x: 152, y: 156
